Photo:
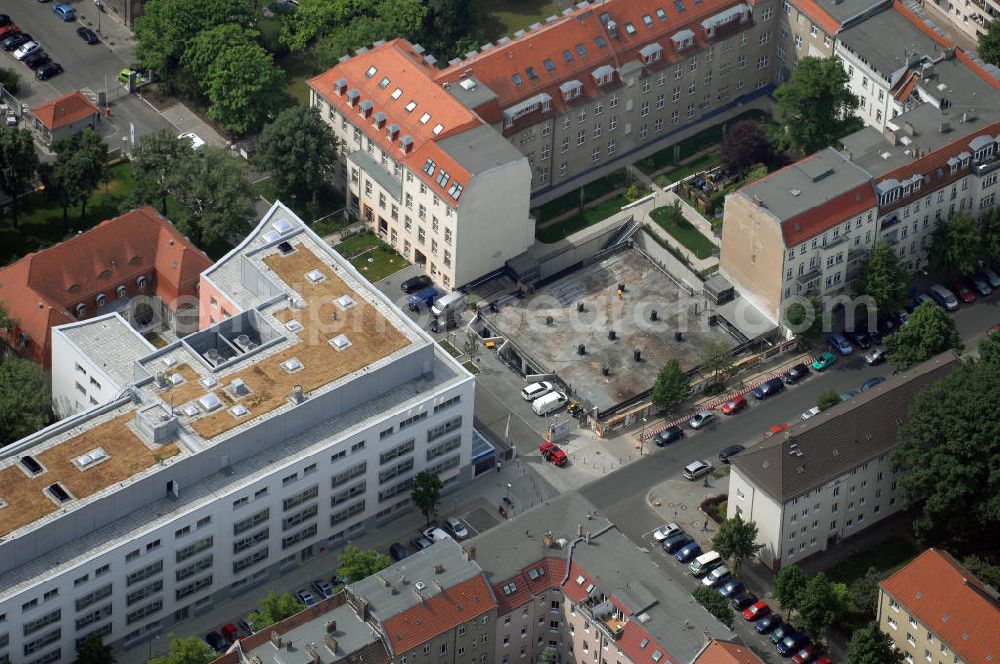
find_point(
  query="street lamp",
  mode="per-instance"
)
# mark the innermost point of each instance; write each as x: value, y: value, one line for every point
x: 124, y: 145
x: 642, y: 436
x: 100, y: 10
x: 508, y: 490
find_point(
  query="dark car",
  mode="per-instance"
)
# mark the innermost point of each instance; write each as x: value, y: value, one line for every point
x: 743, y: 599
x: 793, y: 643
x: 674, y: 543
x: 37, y: 59
x: 688, y: 552
x: 14, y: 41
x: 413, y: 284
x: 871, y: 382
x: 731, y: 588
x: 768, y: 389
x: 730, y: 451
x: 47, y: 71
x: 4, y: 20
x: 87, y: 35
x: 780, y: 632
x: 860, y: 338
x: 795, y: 374
x: 766, y: 624
x: 218, y: 643
x: 668, y: 435
x: 397, y: 551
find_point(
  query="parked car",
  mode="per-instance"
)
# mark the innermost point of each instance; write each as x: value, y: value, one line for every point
x: 847, y: 396
x: 674, y: 543
x: 323, y: 587
x: 839, y: 343
x: 398, y: 551
x: 232, y: 633
x: 435, y: 534
x: 420, y: 542
x: 668, y: 435
x: 871, y: 382
x: 761, y: 611
x: 963, y: 292
x: 87, y: 35
x: 718, y: 575
x: 416, y: 283
x: 457, y: 529
x: 688, y: 552
x: 743, y: 599
x: 860, y: 338
x: 666, y: 531
x: 795, y: 374
x: 304, y: 596
x: 775, y: 430
x: 730, y: 451
x: 812, y: 412
x: 768, y: 389
x: 197, y: 142
x: 792, y: 643
x: 26, y: 49
x: 876, y: 355
x: 700, y: 419
x: 552, y: 452
x: 807, y: 654
x: 536, y: 390
x: 980, y: 284
x: 734, y: 405
x: 696, y: 469
x: 4, y: 20
x: 824, y: 361
x: 14, y: 41
x: 731, y: 588
x: 991, y: 277
x: 548, y: 403
x: 47, y: 71
x: 9, y: 30
x: 944, y: 297
x: 244, y: 627
x: 37, y: 59
x: 217, y: 643
x: 64, y: 11
x: 780, y: 632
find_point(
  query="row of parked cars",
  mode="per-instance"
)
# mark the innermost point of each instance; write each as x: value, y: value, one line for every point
x: 29, y: 51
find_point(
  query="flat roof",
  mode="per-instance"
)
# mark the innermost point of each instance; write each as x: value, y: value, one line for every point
x: 843, y: 11
x: 110, y: 343
x: 888, y: 42
x: 480, y: 149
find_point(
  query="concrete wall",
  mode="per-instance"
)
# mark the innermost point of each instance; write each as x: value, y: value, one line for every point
x: 752, y: 504
x: 666, y: 260
x: 753, y: 252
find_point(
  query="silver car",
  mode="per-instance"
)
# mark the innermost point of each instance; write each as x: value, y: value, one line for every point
x: 700, y: 419
x: 696, y: 469
x: 876, y: 355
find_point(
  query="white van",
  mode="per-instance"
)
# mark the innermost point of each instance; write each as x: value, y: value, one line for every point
x: 446, y: 304
x: 944, y: 297
x: 550, y: 402
x: 705, y: 563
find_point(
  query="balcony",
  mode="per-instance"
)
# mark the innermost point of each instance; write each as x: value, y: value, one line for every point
x: 603, y: 614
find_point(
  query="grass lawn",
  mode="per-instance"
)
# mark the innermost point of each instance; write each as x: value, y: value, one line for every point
x: 684, y: 232
x: 888, y: 556
x: 514, y: 15
x: 696, y: 143
x: 371, y: 256
x: 40, y: 220
x: 588, y: 217
x: 591, y: 192
x: 703, y: 163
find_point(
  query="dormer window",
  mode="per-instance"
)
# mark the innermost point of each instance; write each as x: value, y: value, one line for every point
x: 648, y: 20
x: 340, y: 86
x: 571, y: 89
x: 661, y: 15
x: 567, y: 56
x: 365, y: 108
x: 581, y: 50
x: 517, y: 79
x: 406, y: 144
x: 379, y: 119
x: 353, y: 96
x: 603, y: 74
x: 651, y: 53
x: 392, y: 131
x: 530, y: 71
x: 683, y: 39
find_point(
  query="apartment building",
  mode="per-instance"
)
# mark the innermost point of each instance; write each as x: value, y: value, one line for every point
x: 970, y: 17
x: 936, y: 611
x: 829, y: 477
x: 231, y: 456
x: 136, y: 264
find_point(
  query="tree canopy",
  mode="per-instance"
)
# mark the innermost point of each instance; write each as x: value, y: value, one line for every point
x: 156, y: 161
x: 744, y: 145
x: 80, y: 165
x: 426, y: 493
x: 671, y: 386
x: 715, y: 604
x: 716, y: 358
x: 789, y: 584
x: 928, y: 332
x: 299, y: 150
x: 821, y: 603
x: 18, y: 164
x: 870, y: 645
x: 736, y: 541
x: 189, y: 650
x: 816, y: 107
x: 243, y: 86
x: 94, y: 651
x: 991, y: 234
x: 956, y: 245
x: 946, y: 448
x: 828, y: 399
x: 25, y: 401
x: 805, y: 320
x: 883, y: 278
x: 357, y: 564
x: 274, y: 608
x: 989, y: 44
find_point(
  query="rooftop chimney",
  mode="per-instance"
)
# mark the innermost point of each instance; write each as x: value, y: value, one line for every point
x: 330, y: 643
x: 470, y: 552
x: 276, y: 639
x: 313, y: 654
x: 331, y: 626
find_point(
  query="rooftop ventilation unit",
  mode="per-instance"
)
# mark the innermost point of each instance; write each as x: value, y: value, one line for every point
x: 291, y: 365
x: 209, y: 402
x: 245, y: 343
x: 269, y: 236
x: 298, y: 396
x: 286, y: 247
x: 282, y: 225
x: 419, y: 585
x: 212, y: 357
x: 239, y: 410
x: 239, y: 387
x: 169, y: 361
x: 315, y: 276
x: 190, y: 410
x: 161, y: 380
x: 340, y: 342
x: 175, y: 379
x: 293, y: 326
x: 468, y: 84
x: 344, y: 302
x: 208, y: 382
x: 90, y: 458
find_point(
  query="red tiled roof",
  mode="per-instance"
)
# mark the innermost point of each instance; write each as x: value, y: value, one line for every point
x: 439, y: 614
x: 817, y: 15
x: 631, y: 640
x: 508, y: 601
x: 405, y: 70
x: 815, y: 220
x: 726, y: 652
x: 950, y: 602
x: 42, y: 289
x: 65, y: 110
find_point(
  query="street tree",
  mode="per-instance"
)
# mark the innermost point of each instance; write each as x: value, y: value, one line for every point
x: 189, y: 650
x: 956, y: 245
x: 94, y: 651
x: 989, y: 44
x: 928, y: 332
x: 991, y: 234
x: 789, y: 585
x: 870, y: 645
x: 983, y: 569
x: 25, y: 401
x: 989, y: 348
x: 717, y: 358
x: 547, y: 656
x: 883, y: 278
x: 946, y: 452
x: 18, y: 165
x: 865, y: 590
x: 821, y: 605
x: 156, y: 160
x: 299, y: 150
x: 828, y: 399
x: 426, y: 493
x: 213, y: 196
x: 244, y: 87
x: 274, y: 608
x: 816, y: 107
x: 805, y: 320
x: 736, y: 541
x: 357, y: 564
x: 671, y: 386
x: 715, y: 604
x: 744, y: 145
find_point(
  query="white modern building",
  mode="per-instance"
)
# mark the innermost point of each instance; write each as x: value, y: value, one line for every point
x: 230, y: 456
x: 830, y: 477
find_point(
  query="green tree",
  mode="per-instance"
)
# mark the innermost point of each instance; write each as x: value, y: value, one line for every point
x: 342, y: 26
x: 821, y: 604
x: 754, y: 173
x: 805, y: 320
x: 156, y: 160
x: 244, y: 87
x: 63, y: 184
x: 816, y: 107
x: 206, y: 46
x: 717, y: 358
x: 736, y: 541
x: 715, y: 604
x: 24, y: 399
x: 956, y: 245
x: 870, y: 645
x: 452, y: 27
x: 672, y: 385
x: 883, y: 278
x: 94, y: 651
x: 357, y: 564
x: 274, y: 608
x: 92, y: 160
x: 864, y: 590
x: 946, y: 453
x: 634, y: 192
x: 7, y: 322
x: 983, y: 569
x: 547, y: 656
x: 426, y: 493
x: 789, y: 584
x: 744, y: 145
x: 18, y: 164
x: 9, y: 80
x: 989, y: 44
x: 989, y: 348
x: 928, y: 332
x: 299, y: 150
x: 991, y: 234
x: 80, y: 165
x: 828, y: 399
x: 213, y: 197
x: 189, y: 650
